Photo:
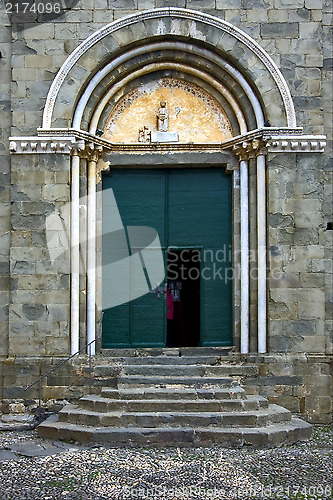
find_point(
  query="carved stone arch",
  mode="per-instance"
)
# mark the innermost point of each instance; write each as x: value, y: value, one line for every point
x: 187, y: 62
x: 219, y: 37
x: 190, y: 80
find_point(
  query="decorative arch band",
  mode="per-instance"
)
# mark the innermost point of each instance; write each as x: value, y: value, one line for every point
x: 175, y: 14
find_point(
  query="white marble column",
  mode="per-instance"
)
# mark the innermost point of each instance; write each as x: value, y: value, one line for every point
x: 261, y: 237
x: 244, y: 229
x: 91, y: 257
x: 75, y: 249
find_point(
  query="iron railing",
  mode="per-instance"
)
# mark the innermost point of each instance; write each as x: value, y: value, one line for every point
x: 39, y: 381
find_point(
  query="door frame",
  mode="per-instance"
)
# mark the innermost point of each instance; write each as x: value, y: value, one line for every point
x: 190, y: 160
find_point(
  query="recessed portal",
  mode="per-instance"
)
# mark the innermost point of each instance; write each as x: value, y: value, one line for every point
x: 190, y: 210
x: 183, y: 298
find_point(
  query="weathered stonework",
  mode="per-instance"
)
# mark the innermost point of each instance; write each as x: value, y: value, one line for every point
x: 194, y: 114
x: 35, y: 171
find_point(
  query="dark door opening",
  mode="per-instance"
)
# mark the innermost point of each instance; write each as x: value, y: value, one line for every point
x: 183, y: 298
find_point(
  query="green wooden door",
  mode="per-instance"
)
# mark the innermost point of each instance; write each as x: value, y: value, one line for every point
x: 189, y: 208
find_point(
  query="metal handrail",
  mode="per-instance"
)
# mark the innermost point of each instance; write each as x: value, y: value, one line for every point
x: 39, y: 381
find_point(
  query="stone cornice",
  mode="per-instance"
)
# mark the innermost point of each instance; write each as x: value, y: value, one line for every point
x: 249, y: 145
x: 297, y: 144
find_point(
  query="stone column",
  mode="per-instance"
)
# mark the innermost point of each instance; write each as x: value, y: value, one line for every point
x: 75, y: 245
x: 244, y: 209
x: 261, y: 237
x: 254, y: 148
x: 241, y: 151
x: 91, y: 250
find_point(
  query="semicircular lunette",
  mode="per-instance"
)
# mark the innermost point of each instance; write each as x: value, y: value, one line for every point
x: 194, y: 114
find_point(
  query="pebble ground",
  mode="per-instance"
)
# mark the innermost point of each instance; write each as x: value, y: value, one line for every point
x: 32, y: 468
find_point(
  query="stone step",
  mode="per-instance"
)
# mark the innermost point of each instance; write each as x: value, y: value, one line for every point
x: 184, y: 370
x: 164, y: 381
x: 254, y: 418
x: 174, y: 393
x: 272, y: 435
x: 175, y: 360
x: 100, y: 404
x: 145, y: 352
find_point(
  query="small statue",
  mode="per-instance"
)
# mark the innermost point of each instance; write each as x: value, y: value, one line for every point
x: 144, y: 134
x: 163, y: 118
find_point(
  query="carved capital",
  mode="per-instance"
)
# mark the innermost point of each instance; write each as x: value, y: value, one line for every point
x: 93, y: 151
x: 87, y: 150
x: 78, y: 149
x: 250, y: 149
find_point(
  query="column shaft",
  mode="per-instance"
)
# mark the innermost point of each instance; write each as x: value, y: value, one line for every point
x: 75, y: 253
x: 261, y: 230
x: 244, y: 200
x: 91, y: 258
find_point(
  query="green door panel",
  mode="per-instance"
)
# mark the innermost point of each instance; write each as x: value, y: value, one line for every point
x: 140, y: 197
x: 188, y: 208
x: 200, y: 215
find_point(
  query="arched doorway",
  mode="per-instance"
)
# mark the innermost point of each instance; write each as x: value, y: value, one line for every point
x: 202, y: 52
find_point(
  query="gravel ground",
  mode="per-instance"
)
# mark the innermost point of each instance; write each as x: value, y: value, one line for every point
x: 301, y: 471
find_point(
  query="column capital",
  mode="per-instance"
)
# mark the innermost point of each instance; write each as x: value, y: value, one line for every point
x: 250, y: 149
x: 93, y: 151
x: 87, y: 150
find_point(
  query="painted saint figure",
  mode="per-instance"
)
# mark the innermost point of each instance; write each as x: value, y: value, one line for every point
x: 163, y: 118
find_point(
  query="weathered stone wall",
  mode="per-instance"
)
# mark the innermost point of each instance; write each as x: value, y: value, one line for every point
x: 5, y: 113
x: 300, y: 382
x: 299, y: 309
x: 39, y: 309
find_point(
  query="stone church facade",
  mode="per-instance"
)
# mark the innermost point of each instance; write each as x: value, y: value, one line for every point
x: 158, y: 100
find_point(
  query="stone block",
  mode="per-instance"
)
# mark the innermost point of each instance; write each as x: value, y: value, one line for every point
x: 311, y: 344
x: 54, y: 345
x: 36, y: 31
x: 298, y: 295
x: 317, y: 265
x: 289, y: 4
x: 309, y: 280
x: 79, y: 16
x: 316, y: 15
x: 284, y: 280
x: 38, y: 61
x: 202, y: 4
x: 274, y: 30
x: 308, y: 219
x: 313, y: 4
x: 28, y: 222
x: 59, y: 312
x: 256, y: 16
x: 22, y: 267
x: 57, y: 192
x: 24, y: 74
x: 278, y: 15
x: 314, y: 310
x: 146, y: 4
x: 66, y: 31
x: 309, y: 30
x: 299, y: 15
x: 229, y: 4
x: 282, y: 311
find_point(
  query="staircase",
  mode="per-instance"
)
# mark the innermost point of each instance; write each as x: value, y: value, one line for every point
x: 186, y: 400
